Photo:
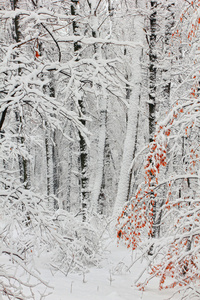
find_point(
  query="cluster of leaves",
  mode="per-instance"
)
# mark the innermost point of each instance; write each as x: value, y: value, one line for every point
x: 137, y: 215
x: 176, y: 253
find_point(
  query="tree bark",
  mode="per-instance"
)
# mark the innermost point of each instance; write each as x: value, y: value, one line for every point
x: 24, y: 164
x: 152, y: 70
x: 83, y: 158
x: 157, y: 211
x: 166, y: 72
x: 152, y: 105
x: 51, y: 155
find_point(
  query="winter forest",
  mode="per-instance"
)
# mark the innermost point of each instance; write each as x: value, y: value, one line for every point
x: 99, y: 149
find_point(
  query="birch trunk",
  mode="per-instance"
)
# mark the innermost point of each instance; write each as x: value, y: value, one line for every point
x: 152, y: 106
x: 83, y: 158
x: 152, y: 70
x: 166, y: 72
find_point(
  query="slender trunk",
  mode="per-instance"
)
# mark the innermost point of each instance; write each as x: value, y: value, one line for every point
x: 24, y: 164
x: 50, y: 143
x: 49, y: 159
x: 108, y: 184
x: 152, y: 106
x: 189, y: 226
x: 96, y: 196
x: 51, y: 155
x: 166, y: 72
x: 67, y: 201
x: 134, y: 152
x: 49, y: 166
x: 83, y: 158
x: 55, y: 165
x: 129, y: 144
x: 152, y: 70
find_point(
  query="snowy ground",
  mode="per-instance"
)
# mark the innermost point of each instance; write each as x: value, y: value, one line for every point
x: 109, y: 282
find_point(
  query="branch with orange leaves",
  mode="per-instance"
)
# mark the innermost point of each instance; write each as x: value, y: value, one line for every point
x: 167, y: 181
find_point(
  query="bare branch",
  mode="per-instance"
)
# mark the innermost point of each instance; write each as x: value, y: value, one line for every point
x: 95, y: 11
x: 59, y: 59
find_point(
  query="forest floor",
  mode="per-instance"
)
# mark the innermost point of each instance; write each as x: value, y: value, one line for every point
x: 113, y: 279
x: 109, y: 281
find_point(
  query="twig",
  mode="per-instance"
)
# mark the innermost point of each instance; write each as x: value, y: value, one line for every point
x: 59, y: 55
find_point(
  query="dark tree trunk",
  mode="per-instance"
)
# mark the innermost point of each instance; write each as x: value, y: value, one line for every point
x: 152, y: 103
x: 157, y: 211
x: 51, y: 155
x: 83, y: 158
x: 24, y: 164
x: 152, y: 69
x: 170, y: 22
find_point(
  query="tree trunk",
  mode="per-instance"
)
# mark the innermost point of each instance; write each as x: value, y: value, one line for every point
x: 152, y: 70
x: 108, y: 183
x: 67, y: 201
x: 24, y: 164
x: 129, y: 144
x: 96, y: 196
x: 51, y: 155
x: 50, y: 173
x: 157, y: 211
x: 166, y: 72
x: 83, y: 158
x: 152, y: 105
x: 131, y: 177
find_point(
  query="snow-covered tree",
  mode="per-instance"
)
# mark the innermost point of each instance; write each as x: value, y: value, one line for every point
x: 134, y: 104
x: 175, y: 146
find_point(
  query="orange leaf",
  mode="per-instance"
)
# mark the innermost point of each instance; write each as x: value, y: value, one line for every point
x: 37, y: 54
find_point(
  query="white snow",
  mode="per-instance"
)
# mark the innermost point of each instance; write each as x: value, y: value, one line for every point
x: 109, y: 281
